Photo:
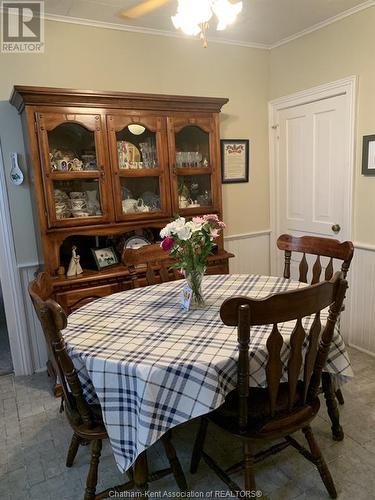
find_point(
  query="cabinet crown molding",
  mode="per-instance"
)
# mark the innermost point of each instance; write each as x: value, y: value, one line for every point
x: 49, y: 96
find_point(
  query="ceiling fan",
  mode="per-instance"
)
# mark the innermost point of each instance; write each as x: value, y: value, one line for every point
x: 192, y: 16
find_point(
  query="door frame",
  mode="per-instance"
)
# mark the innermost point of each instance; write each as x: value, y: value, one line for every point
x: 12, y: 289
x: 346, y: 86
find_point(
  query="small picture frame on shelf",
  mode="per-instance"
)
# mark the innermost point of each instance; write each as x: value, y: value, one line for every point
x: 234, y: 160
x: 104, y: 257
x: 368, y: 155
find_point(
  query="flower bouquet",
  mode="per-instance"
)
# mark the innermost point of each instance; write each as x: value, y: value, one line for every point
x: 190, y: 243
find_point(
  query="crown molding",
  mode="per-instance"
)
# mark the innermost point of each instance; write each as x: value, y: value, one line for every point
x: 148, y: 31
x: 323, y: 24
x: 175, y: 34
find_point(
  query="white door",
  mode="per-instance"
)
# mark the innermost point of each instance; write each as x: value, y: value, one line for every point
x: 313, y: 188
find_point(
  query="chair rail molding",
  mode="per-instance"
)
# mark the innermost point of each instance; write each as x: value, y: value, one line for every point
x: 251, y: 252
x: 361, y: 321
x: 12, y: 288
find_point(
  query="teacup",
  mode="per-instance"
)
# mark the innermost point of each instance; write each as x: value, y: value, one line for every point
x: 77, y: 195
x: 77, y: 204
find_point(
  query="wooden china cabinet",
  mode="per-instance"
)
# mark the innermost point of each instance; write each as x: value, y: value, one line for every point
x: 108, y: 167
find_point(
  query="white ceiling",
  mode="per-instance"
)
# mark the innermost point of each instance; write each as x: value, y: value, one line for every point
x: 262, y: 22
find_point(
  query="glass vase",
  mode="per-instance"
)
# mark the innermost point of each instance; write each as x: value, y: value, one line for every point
x: 194, y: 279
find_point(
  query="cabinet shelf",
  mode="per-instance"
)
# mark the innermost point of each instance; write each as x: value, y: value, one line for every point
x: 71, y: 176
x: 140, y: 172
x: 193, y: 170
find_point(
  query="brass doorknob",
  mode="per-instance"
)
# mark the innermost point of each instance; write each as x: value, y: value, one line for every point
x: 336, y: 228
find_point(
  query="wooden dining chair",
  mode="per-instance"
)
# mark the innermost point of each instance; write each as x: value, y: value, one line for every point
x: 149, y: 265
x: 282, y: 408
x: 86, y: 420
x: 319, y: 247
x: 331, y: 249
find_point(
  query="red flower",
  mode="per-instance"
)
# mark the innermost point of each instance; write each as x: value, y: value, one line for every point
x: 167, y: 244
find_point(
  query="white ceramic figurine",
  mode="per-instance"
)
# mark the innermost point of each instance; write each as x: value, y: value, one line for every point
x: 74, y: 266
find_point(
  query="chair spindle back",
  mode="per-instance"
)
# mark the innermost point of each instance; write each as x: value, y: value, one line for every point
x: 53, y: 319
x: 295, y: 305
x: 157, y: 264
x: 321, y: 247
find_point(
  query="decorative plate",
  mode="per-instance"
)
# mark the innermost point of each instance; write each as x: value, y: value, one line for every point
x: 127, y: 152
x: 135, y: 242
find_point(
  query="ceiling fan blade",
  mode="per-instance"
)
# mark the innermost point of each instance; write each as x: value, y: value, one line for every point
x: 143, y: 8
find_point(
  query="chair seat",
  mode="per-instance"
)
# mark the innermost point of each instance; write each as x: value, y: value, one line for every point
x: 97, y: 431
x: 260, y: 423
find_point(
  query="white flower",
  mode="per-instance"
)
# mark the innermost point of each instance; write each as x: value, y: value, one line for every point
x: 166, y: 231
x: 193, y: 226
x: 184, y: 232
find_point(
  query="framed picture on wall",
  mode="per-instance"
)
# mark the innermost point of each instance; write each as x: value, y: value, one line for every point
x: 234, y: 160
x: 368, y: 155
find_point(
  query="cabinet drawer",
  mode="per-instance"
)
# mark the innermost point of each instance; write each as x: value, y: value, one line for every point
x: 74, y: 299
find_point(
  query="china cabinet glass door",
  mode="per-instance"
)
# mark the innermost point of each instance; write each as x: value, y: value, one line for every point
x: 138, y: 157
x: 192, y: 159
x: 74, y: 169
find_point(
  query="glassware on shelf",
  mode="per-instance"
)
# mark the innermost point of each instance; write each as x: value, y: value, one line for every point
x: 74, y: 199
x: 136, y: 150
x: 194, y: 191
x: 192, y: 147
x: 71, y: 148
x: 140, y: 195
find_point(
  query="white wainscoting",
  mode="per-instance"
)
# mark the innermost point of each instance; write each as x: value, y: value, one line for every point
x: 252, y: 252
x: 361, y: 298
x: 36, y: 337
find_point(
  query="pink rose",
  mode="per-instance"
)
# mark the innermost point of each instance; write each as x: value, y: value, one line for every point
x: 167, y: 244
x: 211, y: 217
x: 198, y: 220
x: 222, y: 225
x: 214, y: 233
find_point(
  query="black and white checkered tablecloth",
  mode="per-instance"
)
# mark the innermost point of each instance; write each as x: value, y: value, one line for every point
x: 153, y: 366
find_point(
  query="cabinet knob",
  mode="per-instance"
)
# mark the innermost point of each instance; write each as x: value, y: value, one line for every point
x: 336, y: 228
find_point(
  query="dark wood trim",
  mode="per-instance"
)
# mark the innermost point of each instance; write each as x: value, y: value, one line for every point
x: 49, y: 96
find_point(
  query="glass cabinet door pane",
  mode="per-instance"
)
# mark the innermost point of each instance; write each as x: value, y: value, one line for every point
x: 72, y: 148
x: 194, y: 191
x: 77, y: 198
x: 192, y: 147
x: 136, y: 147
x: 140, y: 194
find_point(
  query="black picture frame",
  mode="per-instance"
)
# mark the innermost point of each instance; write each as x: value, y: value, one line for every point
x: 368, y: 162
x: 104, y: 262
x: 226, y: 178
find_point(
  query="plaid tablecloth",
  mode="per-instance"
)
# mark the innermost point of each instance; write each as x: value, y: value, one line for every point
x: 153, y: 366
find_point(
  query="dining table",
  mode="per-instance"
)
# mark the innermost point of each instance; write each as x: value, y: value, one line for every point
x: 151, y: 365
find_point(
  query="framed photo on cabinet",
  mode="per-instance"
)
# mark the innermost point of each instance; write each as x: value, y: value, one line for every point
x: 234, y: 160
x: 368, y: 155
x: 104, y: 257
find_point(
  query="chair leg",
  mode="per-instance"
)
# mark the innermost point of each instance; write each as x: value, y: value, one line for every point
x: 249, y: 468
x: 92, y: 477
x: 332, y: 409
x: 177, y: 471
x: 141, y: 473
x: 320, y: 463
x: 339, y: 396
x: 198, y: 445
x: 73, y: 448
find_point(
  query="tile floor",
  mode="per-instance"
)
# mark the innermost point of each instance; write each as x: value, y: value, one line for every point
x: 34, y: 440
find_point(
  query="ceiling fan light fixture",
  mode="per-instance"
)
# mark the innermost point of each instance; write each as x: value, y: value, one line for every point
x: 226, y: 12
x: 192, y: 16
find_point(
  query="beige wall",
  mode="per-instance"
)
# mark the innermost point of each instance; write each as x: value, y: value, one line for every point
x: 103, y: 59
x: 342, y: 49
